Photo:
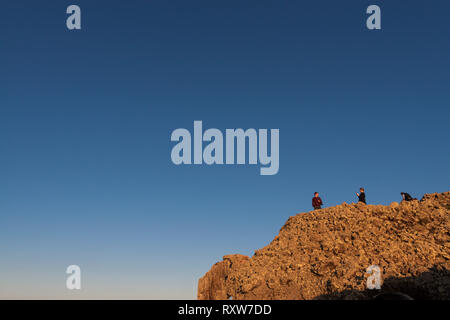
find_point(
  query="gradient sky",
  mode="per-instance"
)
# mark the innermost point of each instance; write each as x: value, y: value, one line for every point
x: 86, y: 116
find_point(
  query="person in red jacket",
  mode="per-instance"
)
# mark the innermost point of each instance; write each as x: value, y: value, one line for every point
x: 316, y: 201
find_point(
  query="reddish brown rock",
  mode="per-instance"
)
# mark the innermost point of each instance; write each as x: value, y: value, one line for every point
x: 324, y: 254
x: 213, y: 284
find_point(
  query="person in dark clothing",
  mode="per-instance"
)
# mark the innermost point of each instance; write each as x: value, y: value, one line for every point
x: 361, y: 195
x: 407, y: 196
x: 316, y: 201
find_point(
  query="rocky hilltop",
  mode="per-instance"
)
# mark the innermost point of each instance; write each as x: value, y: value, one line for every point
x: 324, y: 254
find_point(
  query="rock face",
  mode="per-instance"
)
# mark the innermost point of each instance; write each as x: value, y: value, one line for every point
x: 324, y: 254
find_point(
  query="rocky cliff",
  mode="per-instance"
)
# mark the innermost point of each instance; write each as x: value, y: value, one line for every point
x: 324, y: 254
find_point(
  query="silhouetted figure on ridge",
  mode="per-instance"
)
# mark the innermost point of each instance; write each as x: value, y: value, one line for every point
x: 361, y: 196
x: 407, y: 196
x: 316, y: 201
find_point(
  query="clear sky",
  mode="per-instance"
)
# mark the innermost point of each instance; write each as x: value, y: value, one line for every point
x: 86, y: 176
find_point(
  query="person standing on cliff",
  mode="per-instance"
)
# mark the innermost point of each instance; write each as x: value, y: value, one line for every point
x: 316, y: 201
x: 361, y: 196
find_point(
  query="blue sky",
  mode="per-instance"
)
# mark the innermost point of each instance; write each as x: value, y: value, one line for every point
x: 86, y: 116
